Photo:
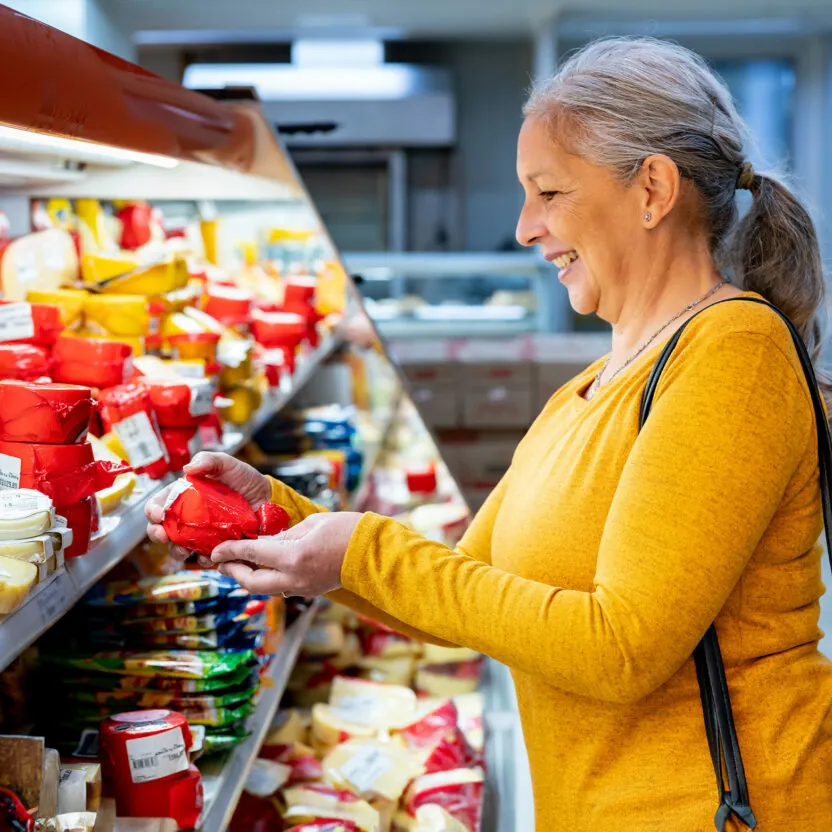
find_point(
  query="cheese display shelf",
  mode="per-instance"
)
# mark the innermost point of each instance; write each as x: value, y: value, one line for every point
x: 167, y: 282
x: 223, y: 780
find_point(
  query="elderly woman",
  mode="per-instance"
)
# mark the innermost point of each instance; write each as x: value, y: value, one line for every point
x: 601, y: 559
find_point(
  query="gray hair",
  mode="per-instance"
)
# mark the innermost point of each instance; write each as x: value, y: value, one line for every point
x: 620, y: 100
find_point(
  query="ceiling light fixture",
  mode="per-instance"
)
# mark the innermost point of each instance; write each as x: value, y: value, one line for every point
x: 16, y: 140
x: 308, y: 52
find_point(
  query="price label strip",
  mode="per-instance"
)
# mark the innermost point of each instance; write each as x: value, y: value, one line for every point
x: 16, y: 322
x: 139, y: 439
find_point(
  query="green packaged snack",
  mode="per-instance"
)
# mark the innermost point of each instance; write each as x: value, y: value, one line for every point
x: 220, y: 742
x: 246, y: 675
x: 91, y: 715
x: 161, y: 699
x: 181, y: 664
x: 178, y: 587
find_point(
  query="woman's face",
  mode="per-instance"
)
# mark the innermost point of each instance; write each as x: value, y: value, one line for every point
x: 583, y: 218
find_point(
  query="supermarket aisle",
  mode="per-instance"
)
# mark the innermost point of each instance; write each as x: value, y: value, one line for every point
x: 826, y: 608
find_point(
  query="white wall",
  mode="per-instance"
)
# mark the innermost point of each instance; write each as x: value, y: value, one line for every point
x: 84, y: 19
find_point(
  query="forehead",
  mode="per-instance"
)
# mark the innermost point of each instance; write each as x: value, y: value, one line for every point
x: 539, y: 153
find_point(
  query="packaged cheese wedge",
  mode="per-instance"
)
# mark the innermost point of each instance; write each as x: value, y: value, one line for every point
x: 433, y: 818
x: 459, y: 792
x: 17, y: 577
x: 112, y: 498
x: 371, y: 768
x: 398, y: 671
x: 470, y: 707
x: 434, y: 654
x: 331, y: 726
x: 24, y: 513
x: 288, y: 726
x: 326, y: 798
x: 365, y: 820
x: 44, y: 260
x: 370, y: 703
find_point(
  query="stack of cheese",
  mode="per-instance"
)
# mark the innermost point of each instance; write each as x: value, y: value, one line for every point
x: 341, y: 642
x: 32, y: 544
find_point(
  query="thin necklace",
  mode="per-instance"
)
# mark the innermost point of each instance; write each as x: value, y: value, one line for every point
x: 597, y: 381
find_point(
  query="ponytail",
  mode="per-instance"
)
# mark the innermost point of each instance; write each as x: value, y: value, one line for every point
x: 774, y: 251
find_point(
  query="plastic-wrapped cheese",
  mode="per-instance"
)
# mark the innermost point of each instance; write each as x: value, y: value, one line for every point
x: 17, y: 577
x: 433, y: 818
x: 24, y: 513
x: 368, y: 703
x: 330, y: 727
x: 299, y: 816
x: 459, y: 792
x: 325, y: 799
x: 371, y: 769
x: 289, y: 726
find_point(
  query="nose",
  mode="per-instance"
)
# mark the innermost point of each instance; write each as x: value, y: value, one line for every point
x: 529, y: 227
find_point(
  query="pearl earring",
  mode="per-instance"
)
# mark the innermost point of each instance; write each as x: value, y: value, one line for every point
x: 647, y: 216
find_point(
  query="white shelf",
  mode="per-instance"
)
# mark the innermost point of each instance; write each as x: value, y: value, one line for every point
x: 124, y: 530
x: 223, y: 780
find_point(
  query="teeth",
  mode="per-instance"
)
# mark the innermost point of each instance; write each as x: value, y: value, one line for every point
x: 565, y: 259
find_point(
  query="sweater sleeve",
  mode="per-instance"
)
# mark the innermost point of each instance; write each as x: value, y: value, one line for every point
x: 475, y: 544
x: 728, y: 428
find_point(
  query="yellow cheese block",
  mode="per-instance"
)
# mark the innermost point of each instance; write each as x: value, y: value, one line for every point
x: 323, y: 639
x: 433, y: 818
x: 113, y: 444
x: 110, y: 499
x: 44, y: 260
x: 17, y: 577
x: 324, y: 798
x: 397, y: 671
x: 117, y: 315
x: 371, y: 768
x: 98, y: 267
x: 430, y: 683
x: 288, y: 727
x: 386, y: 810
x: 69, y: 301
x: 245, y: 401
x: 32, y: 551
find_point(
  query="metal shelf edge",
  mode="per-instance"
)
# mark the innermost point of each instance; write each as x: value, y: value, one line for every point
x: 230, y: 780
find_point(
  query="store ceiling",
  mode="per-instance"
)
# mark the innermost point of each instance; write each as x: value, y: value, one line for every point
x: 249, y: 20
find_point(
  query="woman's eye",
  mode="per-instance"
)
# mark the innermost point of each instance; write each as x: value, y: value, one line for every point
x: 548, y: 196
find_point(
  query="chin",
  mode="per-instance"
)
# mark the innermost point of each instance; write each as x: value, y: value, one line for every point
x: 584, y: 302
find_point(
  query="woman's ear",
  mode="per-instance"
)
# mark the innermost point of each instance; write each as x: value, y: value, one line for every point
x: 659, y: 181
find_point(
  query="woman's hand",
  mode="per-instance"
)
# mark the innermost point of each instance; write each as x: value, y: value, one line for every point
x: 244, y: 479
x: 304, y: 560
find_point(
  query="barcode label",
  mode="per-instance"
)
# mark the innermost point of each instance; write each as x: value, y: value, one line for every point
x: 139, y: 439
x: 158, y: 756
x: 9, y: 469
x: 16, y: 322
x: 202, y: 399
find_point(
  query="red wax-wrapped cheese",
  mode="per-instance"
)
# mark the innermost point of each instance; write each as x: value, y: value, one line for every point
x: 92, y: 362
x: 181, y: 405
x: 29, y: 323
x: 65, y: 473
x: 181, y: 444
x: 283, y: 330
x: 300, y: 289
x: 201, y: 513
x: 127, y: 411
x: 144, y: 754
x: 24, y: 362
x: 230, y: 305
x: 272, y: 519
x: 48, y: 413
x: 79, y: 517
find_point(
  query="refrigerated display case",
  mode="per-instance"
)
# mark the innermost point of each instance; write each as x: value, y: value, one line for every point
x: 131, y: 205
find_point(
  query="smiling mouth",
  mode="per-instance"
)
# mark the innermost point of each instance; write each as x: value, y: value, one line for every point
x: 565, y: 260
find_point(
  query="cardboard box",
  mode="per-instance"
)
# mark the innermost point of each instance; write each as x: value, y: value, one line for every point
x: 438, y: 403
x: 430, y: 372
x: 479, y: 459
x: 493, y: 373
x: 498, y: 406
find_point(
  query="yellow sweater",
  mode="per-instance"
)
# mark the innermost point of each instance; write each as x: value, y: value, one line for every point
x: 598, y: 563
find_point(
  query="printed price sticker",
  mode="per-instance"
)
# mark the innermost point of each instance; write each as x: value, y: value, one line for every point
x: 53, y: 599
x: 9, y: 471
x: 139, y: 439
x: 16, y: 322
x: 202, y: 399
x: 364, y: 768
x: 159, y: 756
x: 26, y: 264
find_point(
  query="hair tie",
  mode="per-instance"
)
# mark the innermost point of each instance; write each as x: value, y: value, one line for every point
x: 745, y: 181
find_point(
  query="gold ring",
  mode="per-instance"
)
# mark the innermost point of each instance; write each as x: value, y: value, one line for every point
x: 285, y: 595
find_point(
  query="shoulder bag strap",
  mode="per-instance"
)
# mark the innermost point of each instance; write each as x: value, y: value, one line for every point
x: 723, y: 742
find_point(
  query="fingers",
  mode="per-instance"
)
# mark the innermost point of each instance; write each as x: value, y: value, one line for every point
x: 257, y: 581
x: 154, y: 508
x: 210, y: 464
x: 271, y: 552
x: 156, y: 533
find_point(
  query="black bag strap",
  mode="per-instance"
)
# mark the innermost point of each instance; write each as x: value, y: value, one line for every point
x: 723, y: 742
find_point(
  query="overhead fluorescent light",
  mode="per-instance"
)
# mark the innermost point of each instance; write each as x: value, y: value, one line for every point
x: 337, y: 53
x: 285, y: 82
x: 28, y: 141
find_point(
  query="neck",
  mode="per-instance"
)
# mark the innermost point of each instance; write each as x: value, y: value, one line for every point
x: 663, y: 289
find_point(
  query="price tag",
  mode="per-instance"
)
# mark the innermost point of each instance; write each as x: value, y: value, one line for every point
x: 9, y: 471
x: 364, y: 768
x: 139, y: 439
x: 53, y: 599
x: 202, y: 399
x: 159, y: 756
x: 16, y: 322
